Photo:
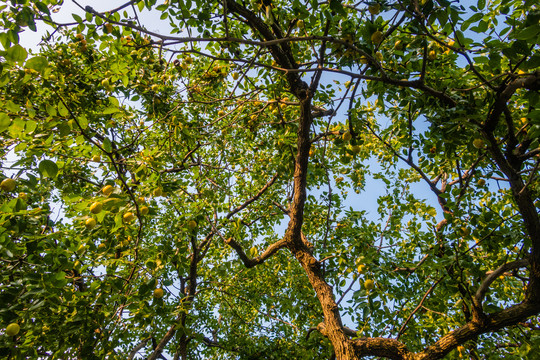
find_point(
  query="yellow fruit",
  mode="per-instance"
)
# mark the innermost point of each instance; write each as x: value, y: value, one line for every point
x: 432, y: 55
x: 155, y: 87
x: 379, y: 56
x: 192, y: 224
x: 235, y: 75
x: 481, y: 182
x: 158, y: 293
x: 364, y: 60
x: 102, y: 246
x: 221, y: 113
x: 356, y: 149
x: 374, y: 9
x: 8, y: 185
x: 90, y: 223
x: 105, y: 83
x: 300, y: 24
x: 128, y: 217
x: 107, y: 28
x: 79, y: 36
x: 13, y: 329
x: 96, y: 207
x: 23, y: 196
x: 346, y: 136
x: 479, y: 143
x: 361, y: 268
x: 144, y: 210
x: 107, y: 190
x: 369, y: 284
x: 158, y: 192
x: 189, y: 60
x: 377, y: 37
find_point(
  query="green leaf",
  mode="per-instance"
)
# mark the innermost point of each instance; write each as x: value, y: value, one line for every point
x: 62, y: 110
x: 51, y: 110
x: 107, y: 146
x: 83, y: 122
x: 38, y: 63
x: 529, y: 33
x: 11, y: 106
x: 48, y: 168
x: 16, y: 53
x: 5, y: 121
x: 77, y: 18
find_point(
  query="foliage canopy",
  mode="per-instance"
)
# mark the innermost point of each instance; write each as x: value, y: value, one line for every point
x: 271, y: 180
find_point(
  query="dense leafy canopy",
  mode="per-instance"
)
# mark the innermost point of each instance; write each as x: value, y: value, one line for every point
x: 271, y: 180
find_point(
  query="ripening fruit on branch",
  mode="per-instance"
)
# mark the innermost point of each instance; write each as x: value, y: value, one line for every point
x: 346, y: 136
x: 377, y: 37
x: 374, y: 9
x: 158, y: 192
x: 90, y: 223
x: 96, y: 207
x: 300, y: 24
x: 158, y: 293
x: 107, y: 190
x: 192, y: 224
x: 361, y: 268
x: 481, y: 182
x: 128, y: 217
x: 107, y: 28
x: 143, y: 210
x: 235, y: 75
x: 479, y: 143
x: 13, y: 329
x: 369, y: 284
x: 432, y: 55
x: 96, y: 158
x: 8, y: 185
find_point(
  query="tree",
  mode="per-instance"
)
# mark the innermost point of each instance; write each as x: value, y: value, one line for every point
x: 202, y: 192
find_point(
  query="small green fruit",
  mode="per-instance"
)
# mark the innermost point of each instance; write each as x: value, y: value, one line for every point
x: 158, y: 293
x: 479, y: 143
x: 374, y: 9
x: 347, y: 136
x: 144, y: 210
x: 96, y: 207
x: 90, y: 223
x: 8, y: 185
x: 192, y: 224
x: 369, y: 284
x: 107, y: 190
x: 377, y: 37
x: 13, y: 329
x: 128, y: 217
